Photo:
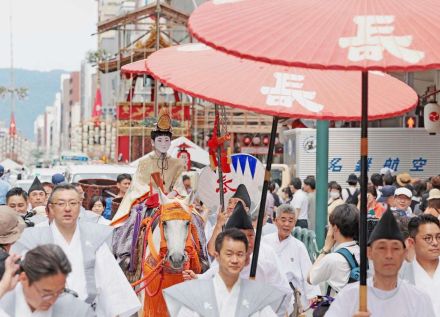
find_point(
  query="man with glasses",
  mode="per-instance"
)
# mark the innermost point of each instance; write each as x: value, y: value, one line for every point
x: 424, y: 270
x: 402, y: 198
x: 41, y: 290
x: 96, y: 276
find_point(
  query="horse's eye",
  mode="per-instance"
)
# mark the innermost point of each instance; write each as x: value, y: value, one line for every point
x: 164, y: 224
x: 187, y: 223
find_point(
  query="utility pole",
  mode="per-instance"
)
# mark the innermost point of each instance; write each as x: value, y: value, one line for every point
x: 12, y: 87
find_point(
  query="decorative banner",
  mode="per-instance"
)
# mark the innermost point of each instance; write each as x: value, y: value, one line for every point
x: 245, y: 169
x: 140, y: 111
x: 12, y: 126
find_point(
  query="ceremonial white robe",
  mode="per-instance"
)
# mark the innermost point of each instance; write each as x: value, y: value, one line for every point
x: 14, y: 304
x: 226, y: 301
x: 430, y: 285
x: 269, y: 271
x: 22, y: 308
x: 296, y: 264
x: 115, y: 296
x: 403, y: 301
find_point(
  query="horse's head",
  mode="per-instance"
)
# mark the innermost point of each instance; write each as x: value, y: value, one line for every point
x: 175, y: 218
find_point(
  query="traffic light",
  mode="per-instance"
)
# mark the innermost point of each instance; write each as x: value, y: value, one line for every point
x: 410, y: 122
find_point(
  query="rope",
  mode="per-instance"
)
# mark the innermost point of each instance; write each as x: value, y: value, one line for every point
x: 191, y: 248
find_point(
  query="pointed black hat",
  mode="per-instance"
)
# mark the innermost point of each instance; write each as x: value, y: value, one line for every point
x: 36, y: 185
x: 386, y: 228
x: 243, y: 194
x: 239, y: 218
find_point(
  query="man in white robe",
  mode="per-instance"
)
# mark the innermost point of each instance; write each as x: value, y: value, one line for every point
x: 387, y: 295
x: 226, y: 294
x: 41, y: 284
x: 424, y: 270
x: 96, y: 276
x: 269, y: 269
x: 293, y: 255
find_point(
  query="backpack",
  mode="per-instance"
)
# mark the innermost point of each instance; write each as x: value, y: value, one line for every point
x: 352, y: 198
x: 354, y: 266
x: 323, y: 303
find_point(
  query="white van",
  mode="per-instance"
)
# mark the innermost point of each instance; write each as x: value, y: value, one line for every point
x: 75, y: 173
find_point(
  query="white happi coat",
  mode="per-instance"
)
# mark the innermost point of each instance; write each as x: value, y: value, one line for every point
x: 296, y: 264
x: 403, y: 301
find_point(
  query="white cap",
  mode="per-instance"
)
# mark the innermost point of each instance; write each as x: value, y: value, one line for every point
x: 403, y: 191
x: 386, y: 170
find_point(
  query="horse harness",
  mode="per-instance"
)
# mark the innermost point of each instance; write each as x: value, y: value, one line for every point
x: 155, y: 264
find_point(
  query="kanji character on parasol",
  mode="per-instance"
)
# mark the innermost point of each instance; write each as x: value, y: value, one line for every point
x: 362, y: 35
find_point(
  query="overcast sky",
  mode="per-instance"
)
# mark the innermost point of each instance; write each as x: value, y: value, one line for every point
x: 48, y: 34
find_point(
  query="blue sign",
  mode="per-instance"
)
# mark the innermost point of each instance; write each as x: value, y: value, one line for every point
x: 418, y: 165
x: 392, y: 163
x: 358, y: 165
x: 334, y: 165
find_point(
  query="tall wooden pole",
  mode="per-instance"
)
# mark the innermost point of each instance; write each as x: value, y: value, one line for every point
x: 219, y: 164
x: 364, y: 184
x: 262, y: 210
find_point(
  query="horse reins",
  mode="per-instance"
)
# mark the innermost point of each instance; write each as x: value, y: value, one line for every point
x: 170, y: 213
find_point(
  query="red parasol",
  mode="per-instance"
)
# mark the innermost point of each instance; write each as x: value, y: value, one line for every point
x: 387, y: 35
x: 274, y: 90
x: 135, y: 68
x: 391, y: 35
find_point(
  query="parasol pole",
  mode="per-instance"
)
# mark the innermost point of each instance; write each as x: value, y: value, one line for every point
x: 156, y: 81
x: 219, y: 165
x: 262, y: 210
x: 363, y: 183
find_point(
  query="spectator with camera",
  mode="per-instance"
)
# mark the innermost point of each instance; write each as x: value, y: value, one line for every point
x: 333, y: 263
x: 17, y: 199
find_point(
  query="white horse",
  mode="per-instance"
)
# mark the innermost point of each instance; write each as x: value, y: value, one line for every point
x: 175, y: 232
x: 164, y: 270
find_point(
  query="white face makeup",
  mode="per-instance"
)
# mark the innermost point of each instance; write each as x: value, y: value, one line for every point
x: 162, y: 144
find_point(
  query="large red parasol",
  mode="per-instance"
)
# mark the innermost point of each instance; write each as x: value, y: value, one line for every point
x: 273, y: 90
x: 387, y: 35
